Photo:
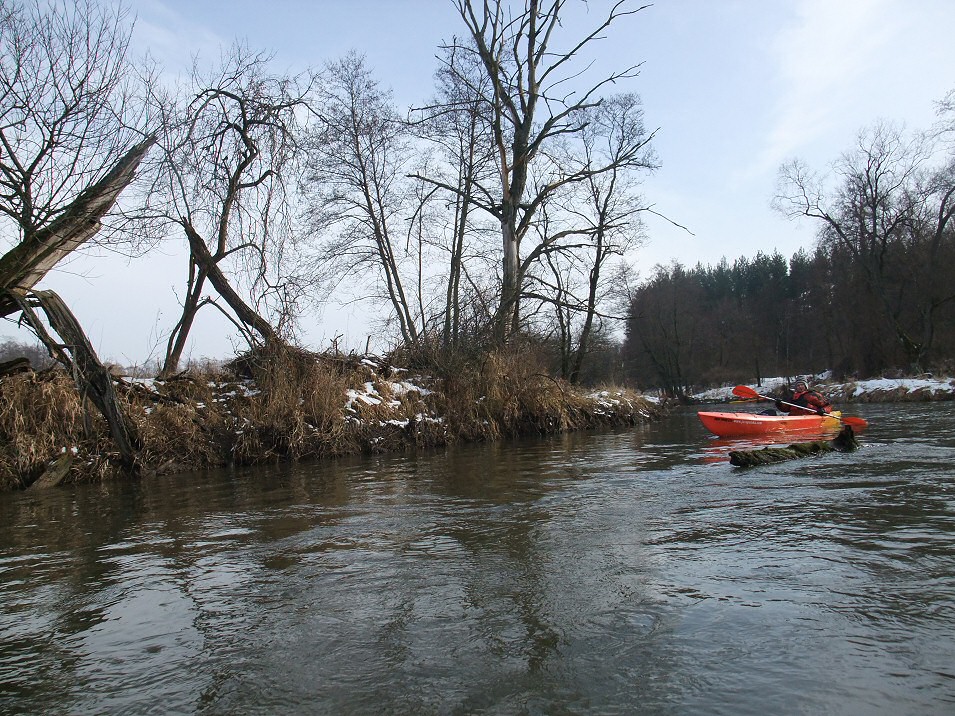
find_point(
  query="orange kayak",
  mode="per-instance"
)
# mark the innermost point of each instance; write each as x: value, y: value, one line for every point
x: 732, y: 425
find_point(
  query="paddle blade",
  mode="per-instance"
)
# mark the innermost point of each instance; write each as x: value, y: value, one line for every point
x: 856, y: 422
x: 745, y: 392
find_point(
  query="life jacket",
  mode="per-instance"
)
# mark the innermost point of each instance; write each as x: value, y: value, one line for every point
x: 810, y: 402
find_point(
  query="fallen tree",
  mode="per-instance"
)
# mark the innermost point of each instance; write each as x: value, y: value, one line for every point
x: 93, y: 379
x: 845, y: 441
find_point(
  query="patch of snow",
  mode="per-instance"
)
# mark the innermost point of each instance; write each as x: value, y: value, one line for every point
x: 909, y: 385
x: 768, y: 386
x: 369, y: 397
x: 148, y: 383
x: 404, y: 386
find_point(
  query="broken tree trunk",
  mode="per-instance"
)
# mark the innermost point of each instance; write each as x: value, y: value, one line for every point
x: 25, y: 264
x: 56, y: 473
x: 29, y: 261
x: 92, y: 378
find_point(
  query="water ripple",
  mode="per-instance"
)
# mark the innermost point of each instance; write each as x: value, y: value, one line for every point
x: 592, y: 573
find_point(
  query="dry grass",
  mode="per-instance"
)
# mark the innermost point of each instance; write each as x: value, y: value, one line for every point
x: 276, y: 403
x: 41, y: 416
x: 281, y: 403
x: 298, y: 411
x: 509, y: 394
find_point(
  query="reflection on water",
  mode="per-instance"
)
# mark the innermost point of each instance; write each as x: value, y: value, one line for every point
x: 718, y: 449
x: 627, y: 572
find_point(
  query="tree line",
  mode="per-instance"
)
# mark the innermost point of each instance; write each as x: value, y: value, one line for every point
x: 875, y: 294
x: 502, y: 206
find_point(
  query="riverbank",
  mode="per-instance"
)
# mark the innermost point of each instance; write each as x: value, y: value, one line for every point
x: 291, y: 405
x: 876, y: 390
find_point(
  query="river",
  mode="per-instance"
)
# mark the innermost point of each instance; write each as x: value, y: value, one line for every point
x: 629, y: 572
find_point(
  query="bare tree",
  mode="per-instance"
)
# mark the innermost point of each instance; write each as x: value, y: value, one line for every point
x: 455, y: 123
x: 892, y: 214
x: 230, y: 155
x: 358, y: 191
x: 613, y: 145
x: 665, y: 326
x: 530, y: 102
x: 69, y: 107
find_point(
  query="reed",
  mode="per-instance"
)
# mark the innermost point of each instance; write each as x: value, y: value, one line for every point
x: 508, y: 393
x: 41, y: 416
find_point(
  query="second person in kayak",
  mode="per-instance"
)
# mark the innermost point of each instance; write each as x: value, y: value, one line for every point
x: 804, y: 400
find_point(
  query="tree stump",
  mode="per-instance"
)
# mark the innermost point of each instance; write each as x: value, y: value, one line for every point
x: 55, y: 473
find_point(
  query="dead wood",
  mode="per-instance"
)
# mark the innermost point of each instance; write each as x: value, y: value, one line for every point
x: 25, y: 264
x: 56, y: 473
x: 845, y: 441
x: 17, y: 365
x: 30, y: 260
x: 92, y: 378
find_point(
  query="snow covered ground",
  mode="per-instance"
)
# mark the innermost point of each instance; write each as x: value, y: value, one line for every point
x: 862, y: 391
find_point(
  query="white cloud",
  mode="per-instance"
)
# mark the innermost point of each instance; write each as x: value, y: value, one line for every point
x: 171, y: 38
x: 828, y: 62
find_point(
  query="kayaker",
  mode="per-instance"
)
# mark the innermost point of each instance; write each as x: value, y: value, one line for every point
x: 809, y: 402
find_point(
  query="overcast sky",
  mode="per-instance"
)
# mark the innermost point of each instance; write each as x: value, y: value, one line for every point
x: 736, y: 88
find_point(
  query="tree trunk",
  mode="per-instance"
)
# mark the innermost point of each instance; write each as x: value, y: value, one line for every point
x: 28, y: 262
x: 177, y: 339
x: 91, y: 376
x: 508, y: 315
x: 207, y: 264
x: 583, y: 344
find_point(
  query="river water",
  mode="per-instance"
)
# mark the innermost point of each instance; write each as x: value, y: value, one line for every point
x: 631, y: 572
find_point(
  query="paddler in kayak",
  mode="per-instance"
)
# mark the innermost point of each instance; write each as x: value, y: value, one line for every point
x: 805, y: 401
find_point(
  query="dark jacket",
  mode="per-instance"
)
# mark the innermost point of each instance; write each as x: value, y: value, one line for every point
x: 809, y: 401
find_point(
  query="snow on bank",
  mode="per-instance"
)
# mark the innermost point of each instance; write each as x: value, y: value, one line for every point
x: 928, y: 388
x: 610, y: 402
x: 932, y: 386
